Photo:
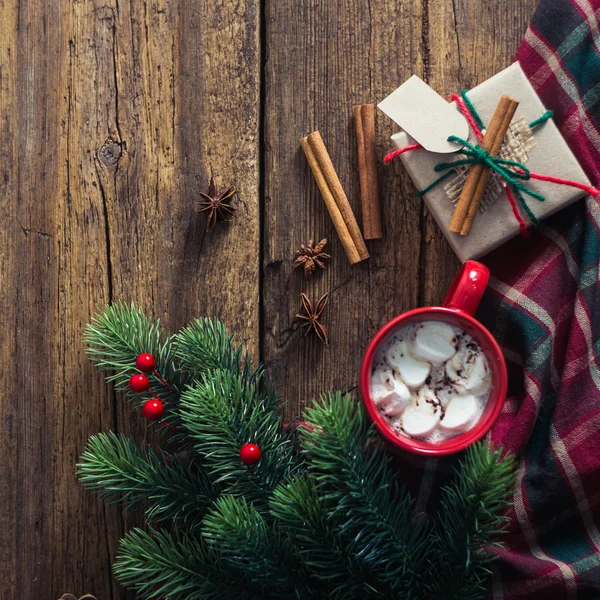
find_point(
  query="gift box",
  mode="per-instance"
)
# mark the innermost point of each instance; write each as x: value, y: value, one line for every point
x: 541, y: 149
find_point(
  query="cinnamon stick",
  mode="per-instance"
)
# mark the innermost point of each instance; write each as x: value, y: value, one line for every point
x: 472, y: 190
x: 364, y: 122
x: 485, y: 175
x: 335, y: 199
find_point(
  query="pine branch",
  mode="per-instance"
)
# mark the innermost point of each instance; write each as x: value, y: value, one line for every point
x: 206, y: 345
x: 303, y: 515
x: 322, y: 519
x: 117, y: 336
x: 351, y: 470
x: 250, y: 545
x: 163, y: 566
x: 473, y: 511
x: 221, y: 413
x: 168, y: 485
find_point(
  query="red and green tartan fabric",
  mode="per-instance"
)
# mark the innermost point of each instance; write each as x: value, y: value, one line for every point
x: 543, y: 306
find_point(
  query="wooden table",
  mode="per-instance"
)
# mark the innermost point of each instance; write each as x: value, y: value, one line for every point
x: 114, y: 114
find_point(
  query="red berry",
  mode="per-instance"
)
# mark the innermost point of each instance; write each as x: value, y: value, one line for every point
x: 153, y: 410
x: 139, y: 383
x: 250, y: 454
x: 145, y: 363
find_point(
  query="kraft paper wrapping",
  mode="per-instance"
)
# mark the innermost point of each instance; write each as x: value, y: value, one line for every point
x: 550, y: 156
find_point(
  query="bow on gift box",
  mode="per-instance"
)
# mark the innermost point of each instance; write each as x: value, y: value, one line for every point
x: 513, y: 173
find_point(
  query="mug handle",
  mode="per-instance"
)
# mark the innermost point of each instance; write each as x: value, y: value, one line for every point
x: 467, y: 288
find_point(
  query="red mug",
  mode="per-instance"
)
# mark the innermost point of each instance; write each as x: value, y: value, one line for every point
x: 458, y: 308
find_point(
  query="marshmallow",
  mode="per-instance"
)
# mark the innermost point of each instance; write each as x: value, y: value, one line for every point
x: 390, y: 401
x: 459, y: 414
x: 413, y: 372
x: 392, y: 405
x: 420, y: 418
x: 401, y: 389
x: 430, y: 379
x: 426, y: 396
x: 468, y: 372
x: 434, y: 342
x: 384, y: 376
x: 400, y: 394
x: 443, y: 330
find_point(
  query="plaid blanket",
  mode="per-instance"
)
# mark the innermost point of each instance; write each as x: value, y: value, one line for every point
x: 543, y: 306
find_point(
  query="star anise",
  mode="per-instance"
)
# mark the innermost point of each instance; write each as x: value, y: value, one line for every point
x: 310, y: 257
x: 218, y: 205
x: 310, y: 317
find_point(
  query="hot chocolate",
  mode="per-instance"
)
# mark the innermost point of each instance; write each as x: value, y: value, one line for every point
x: 430, y: 380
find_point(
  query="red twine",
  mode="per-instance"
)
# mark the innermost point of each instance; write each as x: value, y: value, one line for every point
x: 467, y: 114
x: 389, y: 157
x: 515, y: 209
x: 582, y: 186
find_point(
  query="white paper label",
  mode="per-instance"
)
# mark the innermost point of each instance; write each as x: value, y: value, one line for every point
x: 425, y: 116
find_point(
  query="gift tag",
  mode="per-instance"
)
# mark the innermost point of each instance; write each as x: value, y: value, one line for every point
x: 425, y: 116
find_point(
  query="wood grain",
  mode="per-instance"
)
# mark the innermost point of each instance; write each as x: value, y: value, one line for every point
x: 113, y: 115
x: 324, y: 58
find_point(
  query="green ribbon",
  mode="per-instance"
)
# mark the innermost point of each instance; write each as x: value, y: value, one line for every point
x: 477, y: 155
x: 504, y: 168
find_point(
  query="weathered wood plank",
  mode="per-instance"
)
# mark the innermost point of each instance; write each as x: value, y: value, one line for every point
x: 9, y: 242
x: 48, y: 284
x: 114, y: 115
x: 322, y: 59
